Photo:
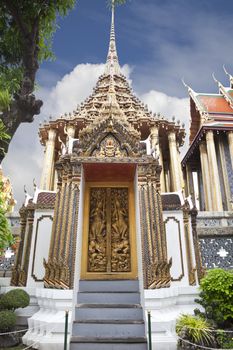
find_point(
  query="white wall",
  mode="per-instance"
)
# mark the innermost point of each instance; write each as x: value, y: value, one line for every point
x: 176, y: 246
x: 42, y: 230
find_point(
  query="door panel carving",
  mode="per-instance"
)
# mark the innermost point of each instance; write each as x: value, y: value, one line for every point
x: 108, y: 237
x: 97, y: 260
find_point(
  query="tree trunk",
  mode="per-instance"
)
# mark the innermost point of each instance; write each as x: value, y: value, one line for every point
x: 22, y: 110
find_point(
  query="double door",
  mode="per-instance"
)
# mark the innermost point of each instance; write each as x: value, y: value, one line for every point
x: 109, y: 240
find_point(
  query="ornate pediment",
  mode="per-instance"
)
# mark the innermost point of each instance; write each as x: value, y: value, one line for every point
x: 110, y: 147
x: 110, y: 138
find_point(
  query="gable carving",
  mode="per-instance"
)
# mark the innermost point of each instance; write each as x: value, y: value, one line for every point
x: 109, y: 138
x: 110, y: 147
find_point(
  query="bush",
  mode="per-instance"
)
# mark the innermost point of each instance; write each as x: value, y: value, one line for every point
x: 216, y: 296
x: 194, y: 329
x: 225, y: 340
x: 14, y: 299
x: 7, y: 320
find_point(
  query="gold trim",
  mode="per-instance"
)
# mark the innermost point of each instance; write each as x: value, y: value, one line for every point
x: 18, y: 261
x: 105, y: 275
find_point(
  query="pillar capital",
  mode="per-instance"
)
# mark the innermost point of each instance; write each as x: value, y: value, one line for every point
x: 154, y: 136
x: 230, y: 136
x: 209, y: 136
x: 52, y: 134
x: 172, y: 136
x: 202, y: 146
x: 154, y: 131
x: 70, y: 129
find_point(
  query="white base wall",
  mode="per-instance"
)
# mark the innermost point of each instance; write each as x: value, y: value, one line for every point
x: 166, y: 305
x: 46, y: 327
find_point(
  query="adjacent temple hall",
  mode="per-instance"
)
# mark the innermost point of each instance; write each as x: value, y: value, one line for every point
x: 114, y: 229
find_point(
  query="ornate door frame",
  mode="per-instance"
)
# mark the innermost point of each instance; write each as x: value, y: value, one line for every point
x: 133, y: 274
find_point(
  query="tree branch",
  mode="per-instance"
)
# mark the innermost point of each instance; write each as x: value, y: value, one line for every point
x: 14, y: 11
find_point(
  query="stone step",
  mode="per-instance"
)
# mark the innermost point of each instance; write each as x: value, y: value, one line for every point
x: 88, y: 343
x: 109, y: 298
x: 97, y: 313
x: 109, y: 286
x: 108, y: 329
x: 110, y: 306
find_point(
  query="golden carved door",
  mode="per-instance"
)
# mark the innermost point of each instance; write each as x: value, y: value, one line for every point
x: 109, y: 240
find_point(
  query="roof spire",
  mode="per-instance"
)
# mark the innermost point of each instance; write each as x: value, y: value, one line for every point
x: 112, y: 65
x: 229, y: 76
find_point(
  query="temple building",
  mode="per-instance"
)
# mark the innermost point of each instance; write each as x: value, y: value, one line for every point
x: 112, y: 229
x: 209, y: 160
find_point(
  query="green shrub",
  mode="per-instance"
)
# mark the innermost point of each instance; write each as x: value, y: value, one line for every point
x: 216, y: 296
x: 14, y: 299
x: 7, y: 320
x: 195, y: 329
x: 225, y: 340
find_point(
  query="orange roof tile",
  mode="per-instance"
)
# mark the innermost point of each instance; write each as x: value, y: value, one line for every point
x: 215, y: 104
x: 230, y: 92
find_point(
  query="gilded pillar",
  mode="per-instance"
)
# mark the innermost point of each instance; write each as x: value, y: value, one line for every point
x: 156, y: 269
x: 179, y: 166
x: 47, y: 178
x: 18, y: 260
x: 167, y: 178
x: 214, y: 175
x: 190, y: 184
x: 190, y: 265
x: 227, y: 191
x: 154, y: 138
x: 59, y: 270
x: 174, y: 162
x: 72, y: 225
x: 230, y: 142
x: 27, y: 245
x: 205, y: 176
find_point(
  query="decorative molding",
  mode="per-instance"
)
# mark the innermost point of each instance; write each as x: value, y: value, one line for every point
x: 19, y: 255
x: 180, y: 244
x: 191, y: 268
x: 42, y: 217
x: 156, y: 268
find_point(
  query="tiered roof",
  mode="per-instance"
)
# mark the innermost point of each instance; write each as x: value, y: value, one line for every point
x: 135, y: 112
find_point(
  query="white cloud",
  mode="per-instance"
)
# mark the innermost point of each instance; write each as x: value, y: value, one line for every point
x: 25, y: 157
x: 167, y: 105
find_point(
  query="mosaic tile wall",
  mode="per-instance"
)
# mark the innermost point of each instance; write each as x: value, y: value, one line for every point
x: 217, y: 251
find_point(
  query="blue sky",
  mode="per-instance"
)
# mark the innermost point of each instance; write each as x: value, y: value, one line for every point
x: 159, y: 42
x: 162, y: 40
